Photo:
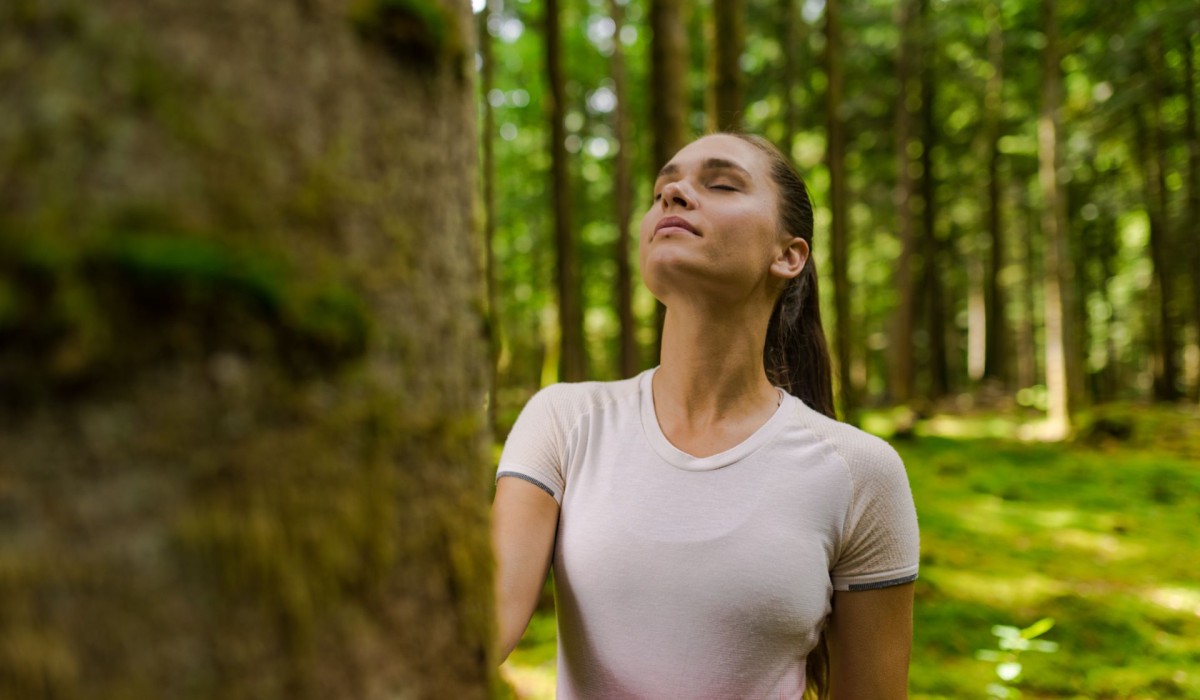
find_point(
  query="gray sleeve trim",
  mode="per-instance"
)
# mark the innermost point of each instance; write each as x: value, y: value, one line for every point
x: 531, y: 480
x: 882, y: 584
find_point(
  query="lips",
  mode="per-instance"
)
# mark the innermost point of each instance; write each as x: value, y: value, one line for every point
x: 675, y: 222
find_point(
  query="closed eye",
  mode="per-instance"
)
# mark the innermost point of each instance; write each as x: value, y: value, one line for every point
x: 729, y: 188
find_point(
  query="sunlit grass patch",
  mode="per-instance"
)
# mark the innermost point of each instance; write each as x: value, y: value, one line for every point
x: 1018, y: 590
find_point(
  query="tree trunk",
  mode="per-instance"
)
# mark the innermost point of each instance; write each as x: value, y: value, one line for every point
x: 904, y: 323
x: 488, y: 137
x: 669, y: 98
x: 935, y: 317
x: 623, y: 199
x: 729, y: 34
x: 789, y: 73
x: 836, y: 154
x: 241, y: 382
x: 1057, y: 277
x: 1150, y: 139
x: 1027, y: 355
x: 995, y: 366
x: 1191, y: 226
x: 572, y: 361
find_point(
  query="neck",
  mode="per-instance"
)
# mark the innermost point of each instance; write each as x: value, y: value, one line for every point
x: 711, y: 366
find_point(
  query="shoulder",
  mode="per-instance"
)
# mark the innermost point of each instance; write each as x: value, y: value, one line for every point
x: 867, y: 457
x: 566, y: 403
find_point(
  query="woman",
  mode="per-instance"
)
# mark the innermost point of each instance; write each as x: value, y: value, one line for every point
x: 710, y: 525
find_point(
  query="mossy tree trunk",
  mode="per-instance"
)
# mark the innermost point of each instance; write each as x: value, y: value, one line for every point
x: 241, y: 352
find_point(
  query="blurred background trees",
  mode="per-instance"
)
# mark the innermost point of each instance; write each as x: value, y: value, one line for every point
x: 1006, y: 189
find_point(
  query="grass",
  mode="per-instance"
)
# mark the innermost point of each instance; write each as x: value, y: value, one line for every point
x: 1098, y: 535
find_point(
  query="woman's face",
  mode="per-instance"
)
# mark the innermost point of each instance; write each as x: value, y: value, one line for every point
x: 713, y: 228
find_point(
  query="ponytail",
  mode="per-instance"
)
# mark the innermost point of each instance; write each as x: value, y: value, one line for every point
x: 795, y: 354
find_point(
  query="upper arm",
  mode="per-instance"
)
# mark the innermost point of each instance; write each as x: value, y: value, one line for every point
x: 870, y: 643
x: 524, y: 524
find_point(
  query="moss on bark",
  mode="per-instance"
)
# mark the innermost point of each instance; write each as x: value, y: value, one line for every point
x: 242, y: 386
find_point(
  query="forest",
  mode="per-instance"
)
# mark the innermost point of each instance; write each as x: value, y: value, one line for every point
x: 1006, y: 192
x: 276, y: 279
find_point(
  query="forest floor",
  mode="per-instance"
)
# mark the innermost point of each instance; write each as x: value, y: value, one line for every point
x: 1098, y: 534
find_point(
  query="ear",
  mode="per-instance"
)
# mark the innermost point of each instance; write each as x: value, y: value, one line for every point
x: 791, y: 259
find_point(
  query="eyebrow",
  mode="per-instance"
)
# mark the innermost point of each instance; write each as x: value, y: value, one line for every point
x: 710, y: 164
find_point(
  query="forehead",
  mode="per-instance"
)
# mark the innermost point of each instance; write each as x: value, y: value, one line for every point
x: 723, y: 147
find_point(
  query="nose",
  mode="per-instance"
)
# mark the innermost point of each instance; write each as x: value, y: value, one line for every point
x: 676, y: 193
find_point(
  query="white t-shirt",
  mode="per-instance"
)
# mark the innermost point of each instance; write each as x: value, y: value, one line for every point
x: 704, y: 577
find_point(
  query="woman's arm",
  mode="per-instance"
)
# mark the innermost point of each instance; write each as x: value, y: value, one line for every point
x: 524, y: 522
x: 870, y: 643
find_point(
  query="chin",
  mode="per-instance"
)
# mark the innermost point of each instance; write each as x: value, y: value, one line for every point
x: 668, y: 273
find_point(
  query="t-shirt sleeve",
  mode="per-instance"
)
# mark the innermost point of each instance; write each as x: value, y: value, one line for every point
x: 536, y: 446
x: 880, y: 544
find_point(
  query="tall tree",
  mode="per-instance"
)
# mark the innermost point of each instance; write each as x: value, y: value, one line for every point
x: 242, y: 381
x: 630, y: 363
x: 572, y: 360
x: 487, y: 73
x: 904, y: 321
x: 1191, y: 226
x: 669, y: 94
x: 931, y: 245
x: 1027, y: 348
x: 996, y: 349
x: 729, y: 35
x: 839, y: 233
x: 789, y: 73
x: 1056, y: 277
x: 1152, y: 146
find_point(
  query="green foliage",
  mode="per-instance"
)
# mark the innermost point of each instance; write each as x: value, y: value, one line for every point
x: 1011, y: 643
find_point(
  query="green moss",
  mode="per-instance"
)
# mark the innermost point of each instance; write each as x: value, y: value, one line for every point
x: 408, y: 28
x: 70, y: 315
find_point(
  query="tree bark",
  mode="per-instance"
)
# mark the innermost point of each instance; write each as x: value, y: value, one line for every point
x: 1191, y: 226
x: 623, y: 199
x: 1057, y: 276
x: 243, y: 367
x: 1154, y: 177
x: 729, y: 33
x: 904, y: 322
x: 996, y: 349
x: 836, y: 158
x: 572, y: 360
x: 1027, y: 356
x: 935, y: 317
x: 669, y: 98
x: 789, y: 72
x: 488, y: 176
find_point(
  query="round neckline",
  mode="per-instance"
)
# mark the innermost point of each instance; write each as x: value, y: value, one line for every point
x: 678, y: 458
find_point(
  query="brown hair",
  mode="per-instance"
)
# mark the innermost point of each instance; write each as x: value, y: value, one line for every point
x: 796, y: 355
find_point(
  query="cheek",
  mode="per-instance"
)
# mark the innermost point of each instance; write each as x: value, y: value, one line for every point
x: 645, y: 228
